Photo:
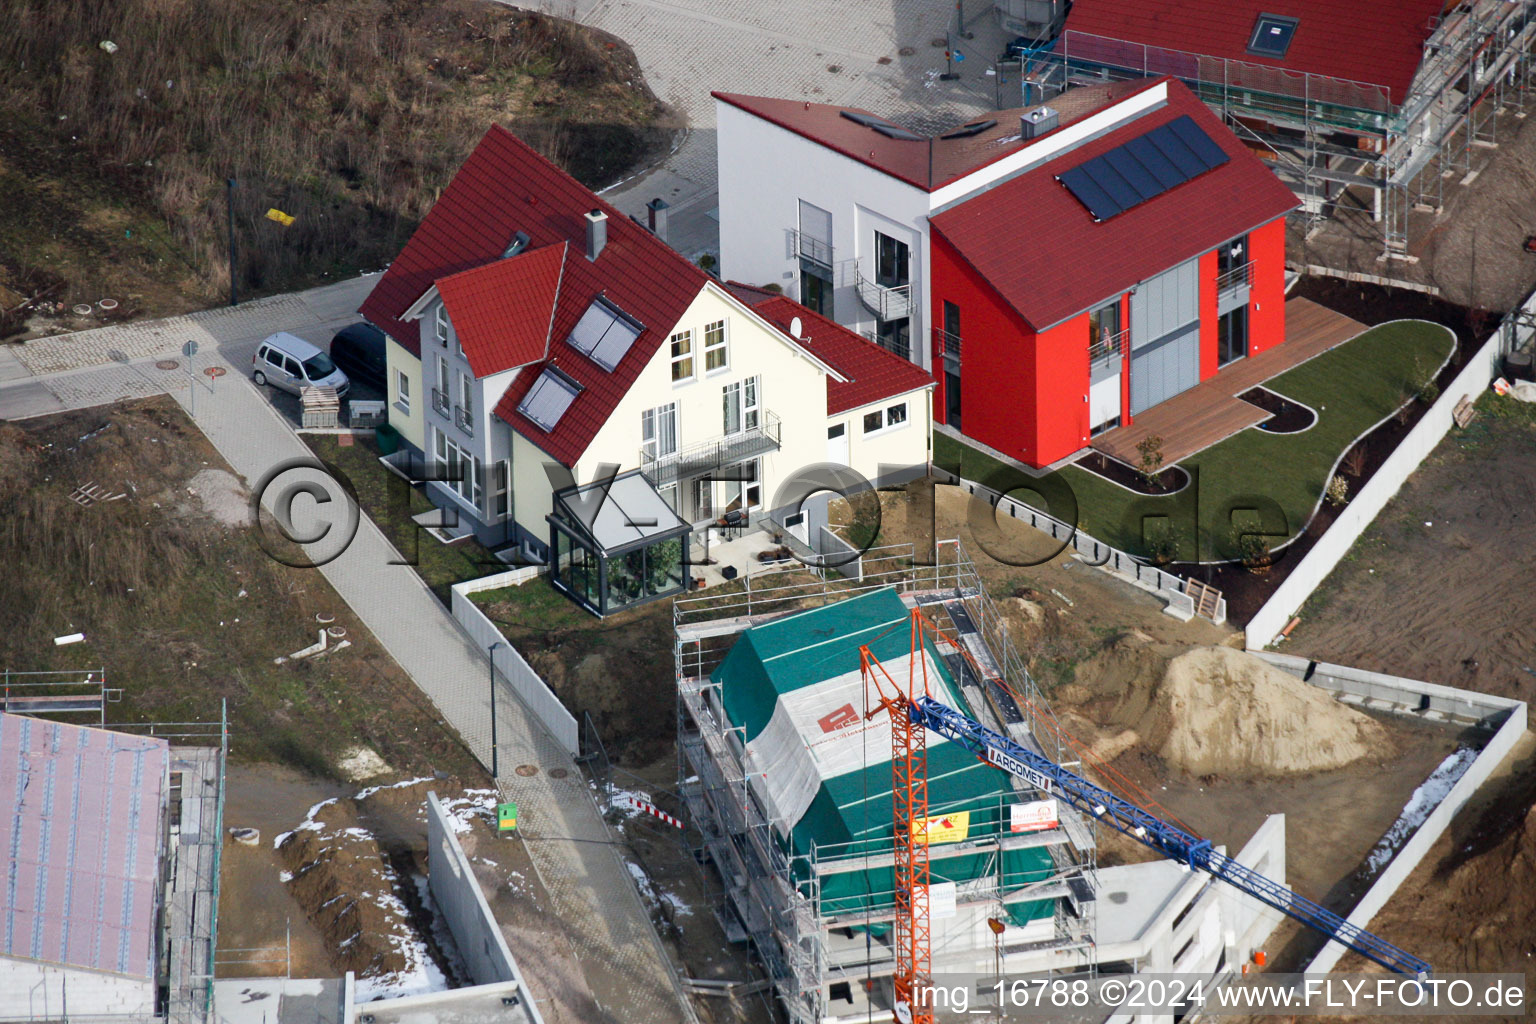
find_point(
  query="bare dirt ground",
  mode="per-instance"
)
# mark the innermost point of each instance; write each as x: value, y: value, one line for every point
x: 1470, y: 250
x: 181, y: 605
x: 1436, y: 589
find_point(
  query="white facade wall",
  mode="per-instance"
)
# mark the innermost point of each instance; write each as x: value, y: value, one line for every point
x: 881, y: 454
x: 30, y: 989
x: 793, y: 387
x: 767, y: 170
x: 405, y: 411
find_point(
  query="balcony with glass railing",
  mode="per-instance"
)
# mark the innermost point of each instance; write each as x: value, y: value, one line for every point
x: 885, y: 301
x: 712, y: 455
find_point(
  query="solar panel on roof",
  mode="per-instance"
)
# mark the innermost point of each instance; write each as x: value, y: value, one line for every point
x: 1143, y: 168
x: 548, y: 399
x: 604, y: 334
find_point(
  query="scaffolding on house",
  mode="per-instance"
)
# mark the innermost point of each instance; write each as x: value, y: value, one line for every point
x: 1344, y: 145
x: 817, y: 948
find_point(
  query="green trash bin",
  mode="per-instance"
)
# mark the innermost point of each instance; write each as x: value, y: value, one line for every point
x: 388, y: 439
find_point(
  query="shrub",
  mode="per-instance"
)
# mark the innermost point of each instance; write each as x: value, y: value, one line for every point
x: 1338, y: 490
x: 1151, y: 449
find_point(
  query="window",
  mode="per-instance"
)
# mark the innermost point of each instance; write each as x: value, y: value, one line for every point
x: 714, y: 346
x: 745, y: 488
x: 467, y: 392
x: 682, y: 356
x: 441, y: 325
x: 442, y: 374
x: 885, y: 419
x: 741, y: 405
x: 895, y: 336
x: 892, y: 261
x: 1103, y: 327
x: 951, y: 339
x: 549, y: 397
x: 1272, y: 34
x: 604, y: 333
x: 658, y: 431
x: 403, y: 391
x: 458, y: 470
x: 816, y: 288
x: 501, y: 478
x: 815, y: 234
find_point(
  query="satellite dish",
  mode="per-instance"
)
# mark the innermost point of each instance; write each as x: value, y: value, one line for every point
x: 795, y: 328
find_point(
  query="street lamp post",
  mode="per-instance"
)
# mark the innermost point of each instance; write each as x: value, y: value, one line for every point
x: 491, y: 656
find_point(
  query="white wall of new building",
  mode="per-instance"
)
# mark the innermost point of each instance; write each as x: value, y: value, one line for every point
x: 767, y: 170
x: 405, y: 404
x: 33, y: 989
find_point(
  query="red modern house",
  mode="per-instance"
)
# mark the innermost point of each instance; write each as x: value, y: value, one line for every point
x: 1075, y: 295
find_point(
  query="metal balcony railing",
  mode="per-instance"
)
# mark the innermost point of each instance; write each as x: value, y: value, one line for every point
x: 1236, y: 279
x: 439, y: 402
x: 715, y: 454
x: 464, y: 419
x: 893, y: 346
x: 813, y: 249
x: 945, y: 344
x: 886, y: 302
x: 1110, y: 346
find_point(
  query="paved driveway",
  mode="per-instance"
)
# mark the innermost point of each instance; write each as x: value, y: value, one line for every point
x: 850, y: 53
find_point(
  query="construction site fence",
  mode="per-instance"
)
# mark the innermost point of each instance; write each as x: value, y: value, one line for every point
x: 1264, y: 628
x: 510, y: 669
x: 1171, y: 588
x: 1510, y: 717
x: 1257, y: 87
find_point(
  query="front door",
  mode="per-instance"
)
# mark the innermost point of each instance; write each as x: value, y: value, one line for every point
x: 837, y: 444
x: 1232, y: 336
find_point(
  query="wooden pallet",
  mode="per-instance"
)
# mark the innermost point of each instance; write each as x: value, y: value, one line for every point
x: 1206, y: 598
x: 1464, y: 413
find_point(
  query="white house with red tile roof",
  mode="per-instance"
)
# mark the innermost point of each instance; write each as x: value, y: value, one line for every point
x: 590, y: 398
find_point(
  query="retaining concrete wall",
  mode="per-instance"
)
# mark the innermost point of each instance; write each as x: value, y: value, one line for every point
x: 1317, y: 563
x: 511, y: 669
x: 457, y: 896
x: 1505, y: 716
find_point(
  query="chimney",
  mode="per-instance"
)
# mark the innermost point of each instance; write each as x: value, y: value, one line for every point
x: 597, y: 233
x: 1037, y: 122
x: 656, y: 217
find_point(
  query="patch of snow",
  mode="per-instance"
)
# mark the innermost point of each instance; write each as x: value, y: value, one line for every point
x: 472, y: 803
x: 359, y: 763
x: 1419, y: 806
x: 676, y: 902
x: 404, y: 784
x: 285, y: 876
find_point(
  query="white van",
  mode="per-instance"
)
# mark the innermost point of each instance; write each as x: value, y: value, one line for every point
x: 289, y: 362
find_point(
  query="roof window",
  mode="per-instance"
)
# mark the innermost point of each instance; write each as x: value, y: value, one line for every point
x: 549, y: 397
x: 1272, y: 35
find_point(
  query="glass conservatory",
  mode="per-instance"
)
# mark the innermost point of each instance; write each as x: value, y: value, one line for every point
x: 617, y: 543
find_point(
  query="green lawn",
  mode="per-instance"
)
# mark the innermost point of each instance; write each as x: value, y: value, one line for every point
x: 1261, y: 482
x: 391, y: 502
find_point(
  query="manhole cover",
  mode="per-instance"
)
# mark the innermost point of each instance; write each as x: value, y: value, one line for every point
x: 940, y: 41
x: 558, y: 773
x: 527, y: 769
x: 834, y: 68
x: 167, y: 364
x: 214, y: 371
x: 905, y: 51
x: 82, y: 309
x: 107, y: 304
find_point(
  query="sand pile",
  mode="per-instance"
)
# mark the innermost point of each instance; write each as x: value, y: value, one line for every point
x: 1221, y: 711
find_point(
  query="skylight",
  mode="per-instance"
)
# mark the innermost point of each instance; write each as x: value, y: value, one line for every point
x: 1272, y: 35
x: 549, y: 397
x: 604, y: 333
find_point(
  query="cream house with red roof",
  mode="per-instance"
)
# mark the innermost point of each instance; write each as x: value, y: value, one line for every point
x: 589, y: 399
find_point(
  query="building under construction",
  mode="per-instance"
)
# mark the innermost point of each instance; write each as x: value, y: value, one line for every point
x: 786, y: 767
x: 1366, y: 108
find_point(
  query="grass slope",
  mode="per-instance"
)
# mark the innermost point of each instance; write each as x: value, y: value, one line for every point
x: 350, y: 115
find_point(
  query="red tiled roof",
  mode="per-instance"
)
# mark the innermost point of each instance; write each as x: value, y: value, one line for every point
x: 505, y: 187
x: 502, y: 311
x: 872, y: 373
x: 924, y: 163
x: 1043, y: 252
x: 1380, y: 42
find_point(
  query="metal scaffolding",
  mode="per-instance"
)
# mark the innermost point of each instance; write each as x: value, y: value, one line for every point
x: 815, y: 955
x: 1347, y: 145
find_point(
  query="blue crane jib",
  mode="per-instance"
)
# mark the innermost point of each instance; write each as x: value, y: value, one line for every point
x: 1141, y: 825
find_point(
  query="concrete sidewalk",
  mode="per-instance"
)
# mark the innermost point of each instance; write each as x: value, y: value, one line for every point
x: 572, y: 849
